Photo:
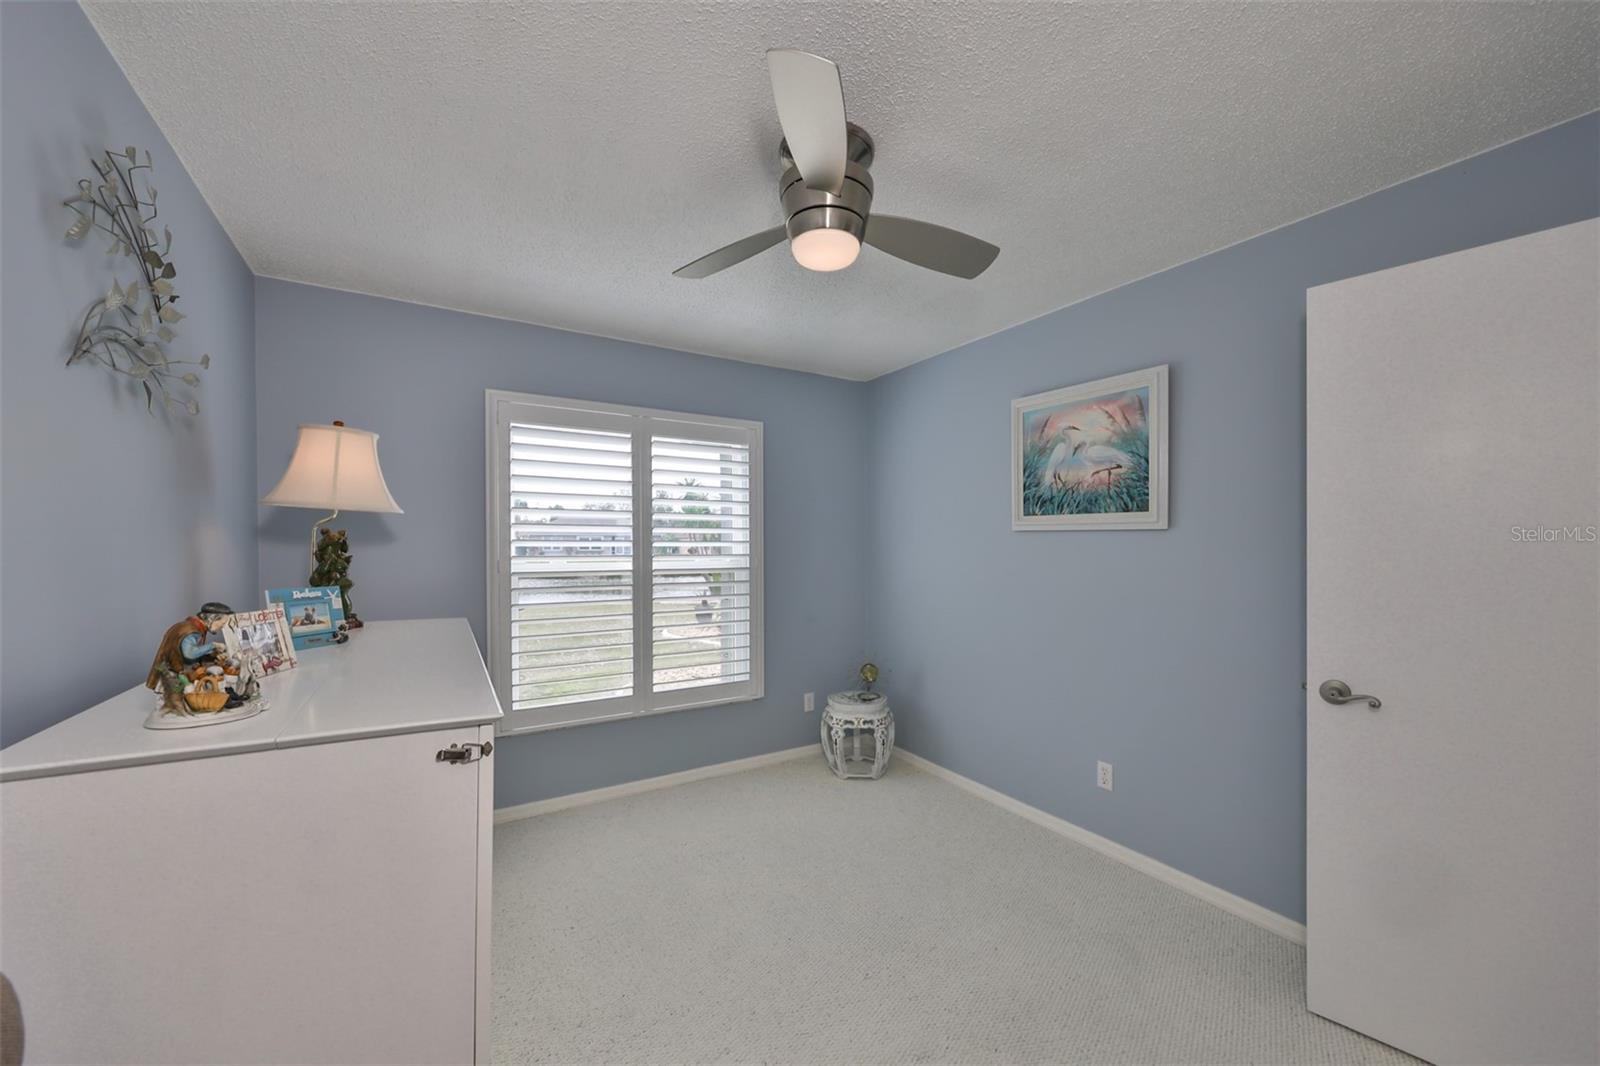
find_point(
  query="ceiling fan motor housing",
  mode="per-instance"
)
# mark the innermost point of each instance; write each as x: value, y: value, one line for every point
x: 808, y: 209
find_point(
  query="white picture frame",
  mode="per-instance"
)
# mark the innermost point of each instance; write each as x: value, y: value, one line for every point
x: 263, y: 634
x: 1088, y: 446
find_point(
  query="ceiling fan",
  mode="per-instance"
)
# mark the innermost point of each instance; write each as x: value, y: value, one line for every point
x: 826, y: 191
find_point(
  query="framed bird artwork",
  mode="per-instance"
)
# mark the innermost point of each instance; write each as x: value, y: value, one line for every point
x: 1092, y: 456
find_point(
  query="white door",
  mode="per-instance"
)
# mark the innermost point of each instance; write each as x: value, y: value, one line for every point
x: 1453, y: 488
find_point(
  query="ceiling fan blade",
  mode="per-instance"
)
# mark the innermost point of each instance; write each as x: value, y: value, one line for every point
x: 935, y: 247
x: 731, y: 254
x: 810, y: 102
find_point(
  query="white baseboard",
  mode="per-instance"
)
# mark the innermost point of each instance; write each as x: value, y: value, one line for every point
x: 649, y: 784
x: 1254, y: 913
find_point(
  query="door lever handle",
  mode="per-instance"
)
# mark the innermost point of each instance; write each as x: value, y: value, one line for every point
x: 1337, y: 692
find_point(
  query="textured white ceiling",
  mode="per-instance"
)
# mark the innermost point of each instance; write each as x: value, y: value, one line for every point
x: 553, y: 162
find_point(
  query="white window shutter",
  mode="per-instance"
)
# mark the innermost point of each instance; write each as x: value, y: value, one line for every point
x: 570, y: 495
x: 625, y: 560
x: 701, y: 567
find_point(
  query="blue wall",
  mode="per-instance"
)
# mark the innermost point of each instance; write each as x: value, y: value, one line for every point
x: 113, y: 524
x: 1019, y: 659
x: 416, y: 376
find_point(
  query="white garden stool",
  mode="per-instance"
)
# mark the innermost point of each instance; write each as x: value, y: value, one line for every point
x: 857, y: 734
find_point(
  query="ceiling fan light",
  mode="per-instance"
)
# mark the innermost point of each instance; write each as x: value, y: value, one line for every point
x: 825, y: 249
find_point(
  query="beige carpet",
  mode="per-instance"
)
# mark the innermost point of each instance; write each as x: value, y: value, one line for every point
x: 780, y: 915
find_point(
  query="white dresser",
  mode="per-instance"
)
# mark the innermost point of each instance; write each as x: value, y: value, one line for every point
x: 308, y: 885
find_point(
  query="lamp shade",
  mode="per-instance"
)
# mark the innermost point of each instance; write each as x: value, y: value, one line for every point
x: 334, y: 467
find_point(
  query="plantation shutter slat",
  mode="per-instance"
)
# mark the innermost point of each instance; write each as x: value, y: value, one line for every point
x: 571, y: 565
x: 700, y: 563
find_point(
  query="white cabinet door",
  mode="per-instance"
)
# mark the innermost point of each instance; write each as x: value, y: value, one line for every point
x: 1453, y: 487
x: 311, y: 904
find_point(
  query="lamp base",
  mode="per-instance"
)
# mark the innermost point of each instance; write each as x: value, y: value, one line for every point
x: 330, y: 566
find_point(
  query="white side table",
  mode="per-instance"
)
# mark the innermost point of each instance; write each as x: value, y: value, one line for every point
x: 857, y: 734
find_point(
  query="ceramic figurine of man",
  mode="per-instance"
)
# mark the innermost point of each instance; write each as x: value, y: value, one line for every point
x: 187, y: 642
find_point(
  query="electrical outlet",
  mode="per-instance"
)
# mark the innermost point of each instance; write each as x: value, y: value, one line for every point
x: 1103, y: 775
x: 811, y: 702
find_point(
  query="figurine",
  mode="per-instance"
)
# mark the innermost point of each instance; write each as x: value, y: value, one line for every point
x: 185, y: 644
x: 199, y: 680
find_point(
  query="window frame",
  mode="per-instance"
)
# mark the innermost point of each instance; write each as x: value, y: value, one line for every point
x: 501, y: 408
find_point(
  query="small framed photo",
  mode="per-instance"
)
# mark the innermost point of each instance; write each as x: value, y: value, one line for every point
x: 315, y: 614
x: 1092, y: 456
x: 262, y: 635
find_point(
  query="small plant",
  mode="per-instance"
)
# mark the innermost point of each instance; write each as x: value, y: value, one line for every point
x: 125, y: 330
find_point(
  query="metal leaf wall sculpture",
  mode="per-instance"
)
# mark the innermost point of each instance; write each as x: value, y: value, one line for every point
x: 127, y: 330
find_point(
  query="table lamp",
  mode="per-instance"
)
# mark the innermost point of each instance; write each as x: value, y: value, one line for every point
x: 334, y: 467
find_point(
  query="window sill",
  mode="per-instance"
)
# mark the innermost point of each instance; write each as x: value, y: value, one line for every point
x: 513, y: 722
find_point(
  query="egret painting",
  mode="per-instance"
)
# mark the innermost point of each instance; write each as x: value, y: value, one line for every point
x: 1092, y: 456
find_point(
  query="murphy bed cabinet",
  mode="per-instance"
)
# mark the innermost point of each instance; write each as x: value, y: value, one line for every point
x: 308, y: 885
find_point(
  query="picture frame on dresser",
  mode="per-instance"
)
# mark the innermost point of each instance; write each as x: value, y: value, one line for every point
x: 262, y: 634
